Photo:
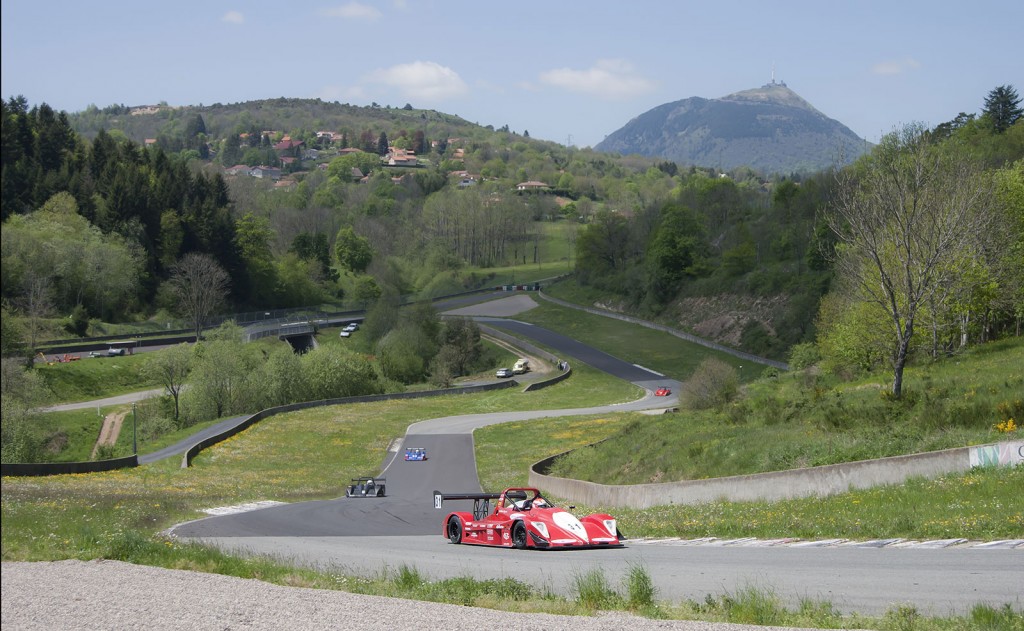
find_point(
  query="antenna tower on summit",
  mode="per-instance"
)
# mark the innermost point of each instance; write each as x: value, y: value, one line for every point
x: 773, y: 83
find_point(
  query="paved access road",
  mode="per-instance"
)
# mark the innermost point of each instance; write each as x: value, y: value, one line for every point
x: 370, y: 534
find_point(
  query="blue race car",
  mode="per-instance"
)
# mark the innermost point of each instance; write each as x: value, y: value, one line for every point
x: 415, y: 453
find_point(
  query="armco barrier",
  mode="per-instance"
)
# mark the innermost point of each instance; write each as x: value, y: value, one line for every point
x: 58, y: 468
x: 538, y: 385
x: 779, y: 485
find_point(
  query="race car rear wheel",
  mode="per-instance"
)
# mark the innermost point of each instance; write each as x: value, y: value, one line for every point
x: 455, y: 529
x: 519, y: 535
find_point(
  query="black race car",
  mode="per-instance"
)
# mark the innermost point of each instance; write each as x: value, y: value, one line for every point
x: 365, y: 487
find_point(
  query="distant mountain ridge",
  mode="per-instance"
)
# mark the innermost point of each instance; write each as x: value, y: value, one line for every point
x: 771, y: 129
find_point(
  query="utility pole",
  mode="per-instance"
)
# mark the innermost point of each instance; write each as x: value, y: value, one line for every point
x: 135, y: 445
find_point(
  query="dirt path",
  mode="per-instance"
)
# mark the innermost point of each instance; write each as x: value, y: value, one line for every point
x: 109, y: 432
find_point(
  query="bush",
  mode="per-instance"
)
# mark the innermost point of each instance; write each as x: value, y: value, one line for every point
x: 331, y: 374
x: 78, y: 323
x: 154, y: 418
x: 18, y: 443
x: 712, y: 385
x: 398, y: 357
x: 803, y: 356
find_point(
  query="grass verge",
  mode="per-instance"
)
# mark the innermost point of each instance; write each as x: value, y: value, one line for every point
x: 650, y: 348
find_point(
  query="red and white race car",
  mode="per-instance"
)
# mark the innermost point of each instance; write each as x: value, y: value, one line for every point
x: 662, y: 392
x: 522, y: 518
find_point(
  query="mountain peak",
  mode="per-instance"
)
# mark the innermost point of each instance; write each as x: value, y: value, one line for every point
x: 771, y: 128
x: 774, y: 92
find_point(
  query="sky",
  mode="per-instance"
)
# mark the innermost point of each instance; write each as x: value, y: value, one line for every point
x: 569, y: 71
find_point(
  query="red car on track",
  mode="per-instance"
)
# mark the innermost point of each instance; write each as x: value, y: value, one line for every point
x: 662, y: 392
x: 522, y: 518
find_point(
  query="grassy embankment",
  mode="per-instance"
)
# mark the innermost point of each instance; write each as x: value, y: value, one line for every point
x: 95, y: 378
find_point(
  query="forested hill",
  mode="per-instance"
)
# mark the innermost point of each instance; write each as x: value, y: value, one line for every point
x: 296, y: 117
x: 300, y: 203
x: 771, y: 129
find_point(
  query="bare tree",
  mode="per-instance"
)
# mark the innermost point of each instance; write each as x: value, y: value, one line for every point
x: 904, y: 216
x: 171, y: 367
x: 37, y: 303
x: 201, y: 286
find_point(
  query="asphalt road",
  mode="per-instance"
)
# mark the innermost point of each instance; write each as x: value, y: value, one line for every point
x: 864, y: 580
x: 371, y: 534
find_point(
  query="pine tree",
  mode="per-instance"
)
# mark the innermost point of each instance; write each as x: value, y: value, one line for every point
x: 1002, y: 108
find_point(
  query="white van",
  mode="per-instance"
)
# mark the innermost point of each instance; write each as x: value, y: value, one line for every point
x: 521, y: 366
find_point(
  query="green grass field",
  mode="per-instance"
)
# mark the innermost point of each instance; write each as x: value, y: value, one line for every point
x: 95, y: 377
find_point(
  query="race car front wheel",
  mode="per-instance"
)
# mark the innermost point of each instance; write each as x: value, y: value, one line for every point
x: 519, y: 535
x: 455, y: 529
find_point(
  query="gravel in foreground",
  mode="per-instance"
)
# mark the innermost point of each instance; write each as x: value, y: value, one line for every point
x: 117, y: 595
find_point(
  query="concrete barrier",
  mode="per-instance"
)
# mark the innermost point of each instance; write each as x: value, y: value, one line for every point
x: 779, y: 485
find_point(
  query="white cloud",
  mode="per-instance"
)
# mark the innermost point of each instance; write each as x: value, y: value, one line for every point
x: 233, y: 17
x: 895, y: 66
x: 421, y: 80
x: 353, y: 11
x: 606, y: 79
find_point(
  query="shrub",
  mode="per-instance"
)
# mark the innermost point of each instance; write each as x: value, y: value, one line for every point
x: 78, y: 323
x: 18, y: 443
x: 803, y: 355
x: 713, y: 384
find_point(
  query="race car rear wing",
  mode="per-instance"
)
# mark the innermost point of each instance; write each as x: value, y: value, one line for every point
x: 481, y: 501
